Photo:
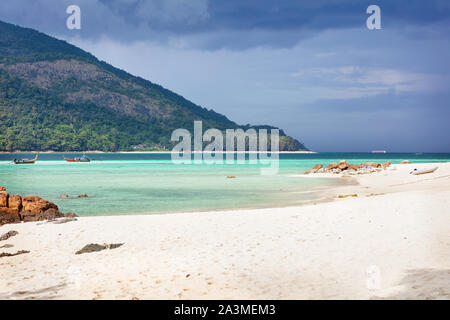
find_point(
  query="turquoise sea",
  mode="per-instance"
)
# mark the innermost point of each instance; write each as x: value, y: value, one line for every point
x: 146, y: 183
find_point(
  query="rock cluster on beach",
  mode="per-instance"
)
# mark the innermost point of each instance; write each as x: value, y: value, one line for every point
x: 15, y: 209
x: 345, y: 167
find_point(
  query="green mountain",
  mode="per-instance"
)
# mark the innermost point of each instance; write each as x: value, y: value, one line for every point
x: 55, y: 96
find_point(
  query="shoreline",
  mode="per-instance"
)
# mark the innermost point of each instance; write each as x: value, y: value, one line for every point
x: 391, y: 241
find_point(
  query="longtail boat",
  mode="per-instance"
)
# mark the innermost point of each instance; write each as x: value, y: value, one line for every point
x: 82, y: 159
x: 25, y: 161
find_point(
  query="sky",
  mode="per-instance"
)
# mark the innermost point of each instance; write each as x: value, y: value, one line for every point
x: 312, y: 68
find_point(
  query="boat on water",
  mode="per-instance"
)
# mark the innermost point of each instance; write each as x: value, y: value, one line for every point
x: 25, y: 161
x: 83, y: 158
x: 379, y: 151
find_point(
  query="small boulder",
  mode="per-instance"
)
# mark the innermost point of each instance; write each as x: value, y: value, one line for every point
x: 343, y: 165
x: 386, y: 164
x: 331, y: 166
x: 2, y: 188
x: 405, y: 162
x: 92, y: 247
x: 316, y: 168
x: 353, y: 167
x: 370, y: 164
x: 83, y: 195
x: 64, y: 196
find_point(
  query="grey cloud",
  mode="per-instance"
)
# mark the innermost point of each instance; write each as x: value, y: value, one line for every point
x: 215, y: 24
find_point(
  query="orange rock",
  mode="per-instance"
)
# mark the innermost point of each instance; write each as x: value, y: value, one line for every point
x: 371, y: 164
x: 35, y: 204
x: 354, y: 167
x: 2, y: 188
x: 8, y: 211
x: 386, y: 164
x: 405, y: 162
x: 15, y: 202
x: 3, y: 199
x: 331, y: 166
x: 343, y: 164
x: 316, y: 168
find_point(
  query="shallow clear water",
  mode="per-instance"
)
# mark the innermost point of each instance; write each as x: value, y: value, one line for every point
x: 120, y: 183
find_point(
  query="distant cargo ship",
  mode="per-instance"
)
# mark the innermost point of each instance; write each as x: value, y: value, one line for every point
x: 379, y: 151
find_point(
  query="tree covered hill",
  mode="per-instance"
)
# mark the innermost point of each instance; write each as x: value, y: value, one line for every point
x: 55, y: 96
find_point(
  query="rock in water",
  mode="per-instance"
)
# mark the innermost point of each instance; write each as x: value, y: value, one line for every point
x: 405, y: 162
x: 94, y: 247
x: 316, y: 168
x: 8, y: 235
x: 83, y: 195
x: 2, y: 188
x: 14, y: 209
x: 35, y: 204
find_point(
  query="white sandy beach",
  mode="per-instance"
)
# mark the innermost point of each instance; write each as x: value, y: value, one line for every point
x: 392, y: 241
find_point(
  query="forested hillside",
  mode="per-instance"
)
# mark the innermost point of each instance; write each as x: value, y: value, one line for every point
x: 55, y: 96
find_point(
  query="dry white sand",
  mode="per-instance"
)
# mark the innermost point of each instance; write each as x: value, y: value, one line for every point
x: 395, y: 244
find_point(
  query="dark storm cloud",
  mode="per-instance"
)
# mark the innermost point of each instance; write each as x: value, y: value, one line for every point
x: 214, y: 24
x: 311, y: 67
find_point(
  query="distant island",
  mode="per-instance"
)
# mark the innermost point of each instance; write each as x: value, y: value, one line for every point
x: 55, y: 96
